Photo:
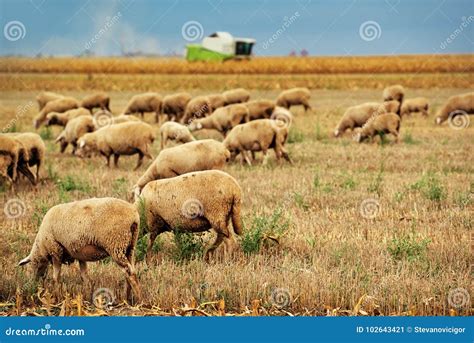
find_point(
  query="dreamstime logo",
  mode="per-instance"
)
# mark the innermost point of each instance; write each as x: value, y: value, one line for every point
x: 369, y: 208
x: 103, y: 298
x: 464, y: 24
x: 103, y: 119
x: 192, y: 30
x: 192, y: 208
x: 286, y: 24
x: 20, y: 112
x: 370, y: 30
x: 109, y: 22
x: 458, y: 120
x: 14, y: 30
x: 14, y: 208
x: 280, y: 297
x: 458, y: 297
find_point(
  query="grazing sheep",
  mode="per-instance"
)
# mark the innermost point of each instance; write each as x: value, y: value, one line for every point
x: 382, y: 124
x: 61, y: 119
x: 357, y: 116
x: 223, y: 119
x: 146, y: 102
x: 457, y: 103
x: 258, y: 135
x: 395, y: 92
x: 236, y: 96
x: 194, y: 156
x: 208, y: 134
x: 104, y: 118
x: 44, y: 97
x: 120, y: 139
x: 174, y: 105
x: 198, y: 107
x: 14, y: 158
x: 260, y: 109
x: 415, y: 105
x: 216, y: 101
x: 193, y: 202
x: 293, y: 97
x: 87, y: 230
x: 101, y: 100
x: 75, y: 129
x: 36, y: 149
x: 59, y: 105
x: 178, y: 133
x: 281, y: 113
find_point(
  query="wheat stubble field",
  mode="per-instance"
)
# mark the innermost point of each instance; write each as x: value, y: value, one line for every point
x: 310, y: 246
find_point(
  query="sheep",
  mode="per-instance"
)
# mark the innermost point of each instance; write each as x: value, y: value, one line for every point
x: 260, y: 109
x: 193, y: 156
x: 104, y: 118
x: 456, y: 105
x: 44, y: 97
x: 178, y: 133
x: 395, y: 92
x: 74, y: 130
x: 223, y: 119
x: 193, y: 202
x: 415, y: 105
x: 258, y: 135
x: 36, y: 149
x: 381, y: 124
x: 236, y: 96
x: 174, y: 105
x: 294, y: 96
x: 145, y: 102
x: 198, y: 107
x: 217, y: 101
x: 282, y: 114
x: 61, y: 119
x: 208, y: 134
x: 59, y: 105
x: 100, y: 99
x: 357, y: 116
x: 120, y: 139
x: 14, y: 158
x: 87, y: 231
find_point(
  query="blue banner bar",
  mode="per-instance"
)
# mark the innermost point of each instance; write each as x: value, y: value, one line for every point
x: 236, y: 329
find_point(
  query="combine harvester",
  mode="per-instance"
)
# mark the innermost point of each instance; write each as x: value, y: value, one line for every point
x: 220, y: 46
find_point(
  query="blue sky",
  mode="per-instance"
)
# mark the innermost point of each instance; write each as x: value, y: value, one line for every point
x: 324, y: 27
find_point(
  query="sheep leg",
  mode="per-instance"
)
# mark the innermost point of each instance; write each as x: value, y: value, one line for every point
x: 83, y: 269
x: 140, y: 160
x: 116, y: 158
x: 63, y: 147
x: 129, y: 271
x: 25, y: 170
x: 306, y: 105
x: 246, y: 157
x: 214, y: 246
x: 265, y: 157
x: 38, y: 165
x: 56, y: 269
x: 151, y: 240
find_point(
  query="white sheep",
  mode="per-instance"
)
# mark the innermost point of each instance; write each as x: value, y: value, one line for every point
x: 146, y: 102
x: 198, y: 107
x: 36, y: 149
x: 395, y: 92
x: 258, y: 135
x: 59, y: 105
x: 260, y: 109
x: 457, y: 104
x: 87, y: 231
x: 75, y: 129
x: 174, y: 105
x: 294, y: 97
x: 61, y: 119
x: 357, y: 116
x: 193, y: 156
x: 100, y: 99
x: 193, y: 202
x: 44, y: 97
x: 120, y: 139
x: 413, y: 105
x: 14, y: 157
x: 174, y: 132
x: 236, y: 96
x: 382, y: 124
x: 223, y: 119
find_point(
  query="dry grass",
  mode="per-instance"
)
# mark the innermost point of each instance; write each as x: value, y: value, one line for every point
x: 330, y: 260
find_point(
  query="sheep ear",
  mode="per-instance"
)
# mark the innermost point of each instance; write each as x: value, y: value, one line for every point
x: 82, y: 144
x: 25, y: 261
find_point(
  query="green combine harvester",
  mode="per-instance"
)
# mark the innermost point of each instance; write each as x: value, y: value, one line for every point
x: 220, y: 46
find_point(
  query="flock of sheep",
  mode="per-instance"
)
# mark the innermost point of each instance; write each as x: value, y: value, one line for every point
x: 183, y: 188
